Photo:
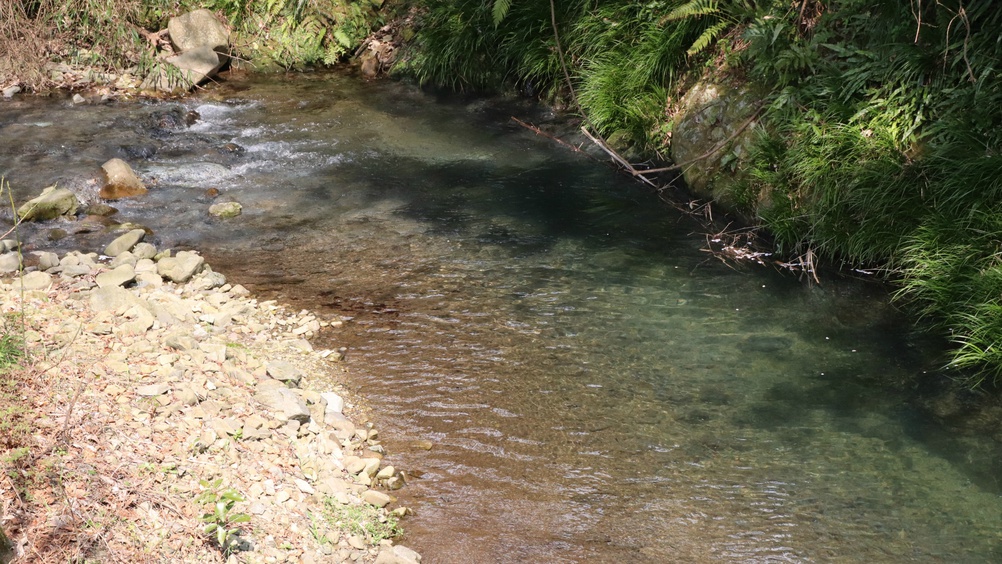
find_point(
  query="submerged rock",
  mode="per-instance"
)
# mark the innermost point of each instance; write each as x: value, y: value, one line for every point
x: 225, y: 210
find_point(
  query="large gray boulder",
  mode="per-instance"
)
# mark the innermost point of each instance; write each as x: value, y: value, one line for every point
x: 202, y: 43
x: 197, y: 65
x: 713, y: 135
x: 50, y: 204
x: 199, y: 28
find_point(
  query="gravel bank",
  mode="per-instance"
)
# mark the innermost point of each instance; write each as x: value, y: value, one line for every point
x: 152, y: 381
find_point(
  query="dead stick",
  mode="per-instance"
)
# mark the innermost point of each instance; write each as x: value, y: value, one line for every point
x: 620, y: 160
x: 538, y: 131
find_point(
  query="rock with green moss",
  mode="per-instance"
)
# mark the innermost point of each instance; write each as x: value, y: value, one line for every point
x: 712, y: 136
x: 53, y: 202
x: 225, y: 210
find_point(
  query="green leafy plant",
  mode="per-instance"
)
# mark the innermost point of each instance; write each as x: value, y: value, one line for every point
x: 220, y: 520
x: 363, y: 520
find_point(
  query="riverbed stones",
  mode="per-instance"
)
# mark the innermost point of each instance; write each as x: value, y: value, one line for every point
x: 167, y: 399
x: 53, y: 202
x: 376, y: 498
x: 124, y: 242
x: 182, y: 267
x: 120, y: 181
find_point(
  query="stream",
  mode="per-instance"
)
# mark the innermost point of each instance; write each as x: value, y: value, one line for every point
x: 593, y: 385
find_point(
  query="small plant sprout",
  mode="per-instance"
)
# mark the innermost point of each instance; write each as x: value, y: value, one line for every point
x: 220, y: 520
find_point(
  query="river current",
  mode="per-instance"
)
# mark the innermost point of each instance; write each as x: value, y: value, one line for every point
x: 594, y: 386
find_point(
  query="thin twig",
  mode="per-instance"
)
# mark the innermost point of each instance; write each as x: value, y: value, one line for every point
x: 615, y: 156
x: 65, y: 433
x: 538, y: 131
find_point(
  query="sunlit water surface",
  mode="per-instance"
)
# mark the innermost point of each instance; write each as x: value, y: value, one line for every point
x: 595, y: 386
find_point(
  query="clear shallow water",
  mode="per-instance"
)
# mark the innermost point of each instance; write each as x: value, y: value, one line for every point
x: 597, y: 388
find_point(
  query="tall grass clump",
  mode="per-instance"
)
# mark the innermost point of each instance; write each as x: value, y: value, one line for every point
x: 622, y: 57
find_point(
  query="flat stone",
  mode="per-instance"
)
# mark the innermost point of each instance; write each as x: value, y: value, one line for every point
x: 75, y: 270
x: 305, y: 487
x: 151, y: 390
x: 113, y: 299
x: 35, y: 281
x: 124, y: 242
x: 377, y: 498
x: 117, y: 277
x: 284, y: 371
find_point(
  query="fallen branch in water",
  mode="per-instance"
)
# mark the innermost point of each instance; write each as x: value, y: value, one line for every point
x: 539, y: 131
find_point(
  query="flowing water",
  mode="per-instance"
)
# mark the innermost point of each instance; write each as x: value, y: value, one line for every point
x: 594, y: 386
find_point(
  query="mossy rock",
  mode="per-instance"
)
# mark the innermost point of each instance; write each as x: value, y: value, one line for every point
x: 712, y: 137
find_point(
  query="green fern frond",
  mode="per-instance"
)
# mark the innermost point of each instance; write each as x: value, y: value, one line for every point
x: 707, y: 37
x: 500, y: 10
x: 692, y: 9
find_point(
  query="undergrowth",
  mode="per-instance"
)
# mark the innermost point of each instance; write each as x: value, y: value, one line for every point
x: 109, y: 38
